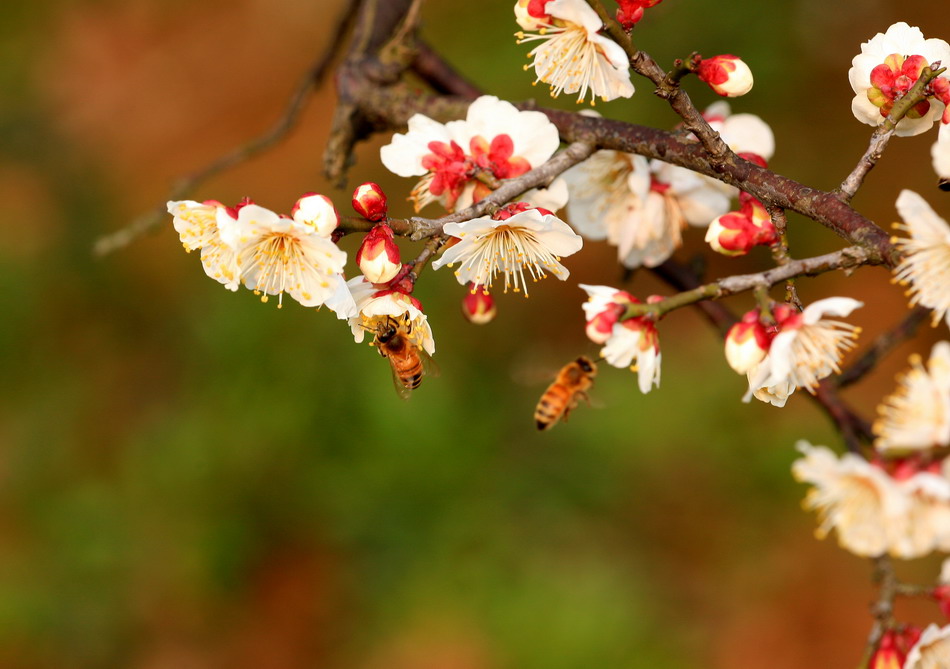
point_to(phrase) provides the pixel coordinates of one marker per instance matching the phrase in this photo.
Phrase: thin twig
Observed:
(667, 87)
(852, 256)
(883, 345)
(284, 124)
(883, 608)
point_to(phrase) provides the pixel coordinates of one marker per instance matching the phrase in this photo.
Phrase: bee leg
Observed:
(583, 396)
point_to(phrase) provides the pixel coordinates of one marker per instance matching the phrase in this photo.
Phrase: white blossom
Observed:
(926, 261)
(527, 243)
(573, 56)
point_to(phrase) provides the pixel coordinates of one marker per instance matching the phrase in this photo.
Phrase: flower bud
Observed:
(631, 11)
(747, 343)
(727, 75)
(735, 233)
(369, 201)
(316, 211)
(600, 327)
(728, 234)
(378, 257)
(530, 14)
(478, 306)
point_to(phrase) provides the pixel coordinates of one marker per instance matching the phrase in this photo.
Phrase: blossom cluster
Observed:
(894, 502)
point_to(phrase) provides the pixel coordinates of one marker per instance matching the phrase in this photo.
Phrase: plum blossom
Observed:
(495, 139)
(807, 348)
(375, 305)
(631, 342)
(888, 65)
(642, 206)
(278, 254)
(926, 261)
(197, 227)
(876, 507)
(940, 154)
(917, 415)
(573, 56)
(932, 651)
(530, 242)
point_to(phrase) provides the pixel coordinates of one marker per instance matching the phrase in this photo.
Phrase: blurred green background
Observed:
(190, 478)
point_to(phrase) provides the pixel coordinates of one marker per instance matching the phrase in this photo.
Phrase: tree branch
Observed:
(284, 124)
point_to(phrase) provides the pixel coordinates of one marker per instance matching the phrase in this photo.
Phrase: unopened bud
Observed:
(317, 211)
(747, 343)
(478, 306)
(727, 75)
(530, 14)
(378, 256)
(631, 11)
(736, 233)
(369, 201)
(728, 234)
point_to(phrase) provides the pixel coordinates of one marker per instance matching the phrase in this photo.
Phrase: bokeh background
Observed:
(190, 478)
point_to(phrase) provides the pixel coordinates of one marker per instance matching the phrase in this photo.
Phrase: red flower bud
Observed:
(369, 201)
(378, 256)
(727, 75)
(478, 306)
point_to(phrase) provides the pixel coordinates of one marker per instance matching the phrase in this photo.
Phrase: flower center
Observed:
(891, 80)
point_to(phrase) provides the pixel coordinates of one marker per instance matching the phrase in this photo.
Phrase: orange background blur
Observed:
(191, 479)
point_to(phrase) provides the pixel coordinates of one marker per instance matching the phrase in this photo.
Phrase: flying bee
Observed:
(562, 396)
(407, 359)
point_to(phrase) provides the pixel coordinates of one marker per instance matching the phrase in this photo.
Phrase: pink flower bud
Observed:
(369, 201)
(378, 256)
(747, 343)
(478, 306)
(317, 211)
(727, 75)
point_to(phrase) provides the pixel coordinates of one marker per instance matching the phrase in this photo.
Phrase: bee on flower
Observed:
(495, 140)
(925, 265)
(517, 242)
(573, 56)
(375, 305)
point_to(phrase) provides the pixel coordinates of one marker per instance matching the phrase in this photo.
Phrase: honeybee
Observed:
(562, 396)
(409, 361)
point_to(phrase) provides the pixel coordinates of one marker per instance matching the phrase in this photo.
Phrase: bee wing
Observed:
(429, 366)
(401, 390)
